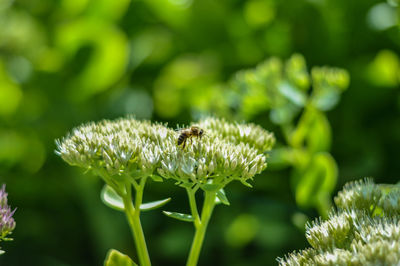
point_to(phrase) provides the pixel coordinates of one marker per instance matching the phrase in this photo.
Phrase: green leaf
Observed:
(325, 99)
(210, 187)
(221, 197)
(316, 181)
(280, 157)
(179, 216)
(154, 204)
(293, 94)
(284, 114)
(116, 258)
(157, 178)
(319, 134)
(111, 198)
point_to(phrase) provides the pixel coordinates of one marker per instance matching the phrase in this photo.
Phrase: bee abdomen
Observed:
(181, 139)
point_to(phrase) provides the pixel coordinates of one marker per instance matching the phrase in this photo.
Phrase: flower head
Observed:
(251, 134)
(358, 194)
(124, 147)
(132, 148)
(7, 222)
(227, 152)
(364, 231)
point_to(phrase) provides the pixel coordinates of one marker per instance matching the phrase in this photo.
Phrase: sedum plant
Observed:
(7, 222)
(125, 153)
(364, 230)
(296, 101)
(229, 152)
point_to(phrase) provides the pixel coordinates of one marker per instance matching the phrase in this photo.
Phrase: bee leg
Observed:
(184, 144)
(191, 141)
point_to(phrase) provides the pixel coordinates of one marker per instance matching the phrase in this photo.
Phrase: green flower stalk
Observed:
(229, 151)
(364, 230)
(7, 222)
(126, 152)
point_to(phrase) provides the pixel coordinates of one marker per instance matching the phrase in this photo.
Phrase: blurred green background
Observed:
(66, 62)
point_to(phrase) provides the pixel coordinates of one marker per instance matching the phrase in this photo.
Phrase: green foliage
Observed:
(180, 216)
(113, 200)
(296, 102)
(364, 230)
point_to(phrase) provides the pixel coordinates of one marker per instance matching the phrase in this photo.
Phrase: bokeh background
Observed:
(66, 62)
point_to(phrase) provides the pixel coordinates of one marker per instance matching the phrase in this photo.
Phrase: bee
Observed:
(188, 133)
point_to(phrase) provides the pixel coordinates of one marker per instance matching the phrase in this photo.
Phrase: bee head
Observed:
(201, 132)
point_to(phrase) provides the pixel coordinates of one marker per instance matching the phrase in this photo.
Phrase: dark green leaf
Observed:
(179, 216)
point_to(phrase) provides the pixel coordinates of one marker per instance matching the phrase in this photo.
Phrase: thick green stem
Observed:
(201, 227)
(133, 216)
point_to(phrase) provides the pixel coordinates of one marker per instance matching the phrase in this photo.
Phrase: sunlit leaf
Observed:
(111, 198)
(179, 216)
(154, 204)
(293, 94)
(108, 61)
(284, 114)
(116, 258)
(316, 181)
(319, 134)
(325, 99)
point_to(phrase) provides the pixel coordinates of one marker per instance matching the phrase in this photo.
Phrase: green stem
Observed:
(201, 226)
(133, 216)
(193, 205)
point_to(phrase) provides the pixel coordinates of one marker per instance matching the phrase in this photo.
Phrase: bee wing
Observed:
(178, 128)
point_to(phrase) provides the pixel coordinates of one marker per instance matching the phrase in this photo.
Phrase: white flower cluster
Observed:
(125, 147)
(358, 194)
(251, 134)
(132, 148)
(363, 233)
